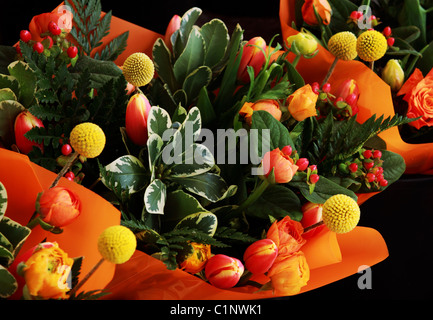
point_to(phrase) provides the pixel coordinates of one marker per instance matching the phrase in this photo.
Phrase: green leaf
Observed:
(186, 25)
(8, 284)
(14, 232)
(7, 81)
(191, 58)
(203, 221)
(3, 200)
(9, 110)
(8, 54)
(7, 94)
(126, 171)
(393, 166)
(206, 108)
(154, 146)
(216, 38)
(114, 48)
(179, 204)
(154, 197)
(27, 80)
(195, 160)
(163, 64)
(195, 82)
(158, 121)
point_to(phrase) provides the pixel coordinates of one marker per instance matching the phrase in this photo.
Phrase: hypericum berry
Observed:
(302, 164)
(377, 154)
(287, 150)
(66, 149)
(368, 165)
(314, 178)
(54, 29)
(326, 87)
(379, 177)
(367, 154)
(353, 167)
(313, 167)
(69, 175)
(315, 87)
(390, 41)
(38, 47)
(25, 35)
(370, 177)
(72, 52)
(383, 183)
(387, 31)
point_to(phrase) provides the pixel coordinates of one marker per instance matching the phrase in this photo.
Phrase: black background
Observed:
(403, 213)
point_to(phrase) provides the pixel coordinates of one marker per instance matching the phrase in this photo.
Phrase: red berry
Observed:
(373, 17)
(379, 177)
(377, 154)
(370, 177)
(326, 87)
(383, 183)
(359, 15)
(313, 167)
(353, 167)
(386, 32)
(66, 149)
(302, 164)
(390, 41)
(38, 47)
(54, 28)
(367, 154)
(69, 175)
(315, 87)
(339, 99)
(287, 150)
(354, 15)
(72, 52)
(314, 178)
(368, 165)
(25, 35)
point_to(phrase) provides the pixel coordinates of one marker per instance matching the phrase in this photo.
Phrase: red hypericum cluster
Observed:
(54, 29)
(387, 32)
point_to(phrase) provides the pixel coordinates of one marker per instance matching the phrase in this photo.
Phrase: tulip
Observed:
(393, 74)
(323, 9)
(305, 44)
(137, 112)
(312, 214)
(196, 260)
(24, 122)
(47, 273)
(223, 271)
(302, 103)
(260, 256)
(252, 55)
(346, 89)
(269, 105)
(172, 27)
(284, 168)
(59, 206)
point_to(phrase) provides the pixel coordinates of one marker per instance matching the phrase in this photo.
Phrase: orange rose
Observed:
(269, 105)
(47, 273)
(302, 103)
(287, 235)
(196, 261)
(418, 93)
(284, 168)
(289, 273)
(323, 9)
(39, 23)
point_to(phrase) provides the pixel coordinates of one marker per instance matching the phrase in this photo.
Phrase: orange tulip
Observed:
(223, 271)
(39, 24)
(269, 105)
(173, 25)
(23, 123)
(137, 112)
(284, 168)
(59, 206)
(47, 273)
(289, 273)
(302, 103)
(252, 56)
(418, 93)
(260, 256)
(323, 9)
(196, 261)
(287, 235)
(312, 213)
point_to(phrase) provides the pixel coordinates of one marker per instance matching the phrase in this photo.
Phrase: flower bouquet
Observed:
(401, 54)
(231, 173)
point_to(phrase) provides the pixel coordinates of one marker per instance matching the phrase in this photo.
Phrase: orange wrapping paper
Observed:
(375, 95)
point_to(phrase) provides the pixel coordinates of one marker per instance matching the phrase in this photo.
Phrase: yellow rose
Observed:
(302, 103)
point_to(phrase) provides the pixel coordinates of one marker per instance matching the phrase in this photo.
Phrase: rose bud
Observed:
(24, 122)
(172, 27)
(260, 256)
(223, 271)
(284, 168)
(349, 91)
(137, 112)
(269, 105)
(58, 206)
(312, 213)
(393, 74)
(302, 103)
(252, 55)
(305, 44)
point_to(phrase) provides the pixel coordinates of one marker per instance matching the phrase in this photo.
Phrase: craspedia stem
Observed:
(88, 275)
(330, 71)
(65, 168)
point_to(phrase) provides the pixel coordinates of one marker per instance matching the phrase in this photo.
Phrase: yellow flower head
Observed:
(343, 45)
(341, 213)
(117, 244)
(138, 69)
(87, 139)
(371, 45)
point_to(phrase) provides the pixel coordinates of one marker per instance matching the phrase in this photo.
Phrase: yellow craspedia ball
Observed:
(340, 213)
(138, 69)
(343, 45)
(87, 139)
(117, 244)
(371, 45)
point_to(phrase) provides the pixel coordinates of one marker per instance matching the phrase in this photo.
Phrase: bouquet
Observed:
(221, 159)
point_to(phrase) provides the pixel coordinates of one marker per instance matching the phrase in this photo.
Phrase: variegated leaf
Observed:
(15, 233)
(194, 161)
(8, 283)
(126, 171)
(3, 200)
(154, 146)
(155, 196)
(158, 121)
(203, 221)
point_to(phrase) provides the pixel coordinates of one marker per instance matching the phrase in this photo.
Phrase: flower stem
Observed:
(33, 222)
(317, 224)
(88, 275)
(296, 60)
(330, 71)
(254, 195)
(65, 168)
